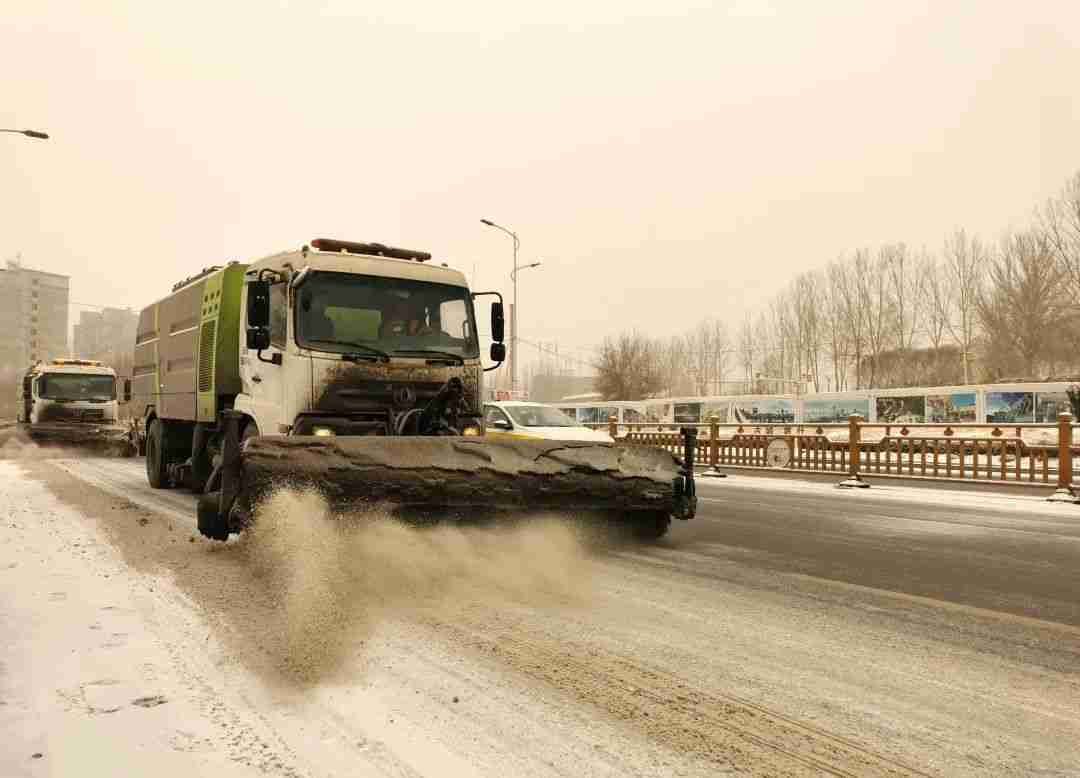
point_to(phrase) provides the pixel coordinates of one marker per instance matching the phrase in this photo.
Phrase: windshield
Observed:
(339, 311)
(72, 386)
(539, 416)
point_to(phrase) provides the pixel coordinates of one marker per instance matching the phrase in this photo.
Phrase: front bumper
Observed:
(79, 434)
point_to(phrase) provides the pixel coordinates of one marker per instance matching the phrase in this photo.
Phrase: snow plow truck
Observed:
(355, 369)
(73, 402)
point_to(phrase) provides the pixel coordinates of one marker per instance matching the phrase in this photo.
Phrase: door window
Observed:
(278, 315)
(493, 415)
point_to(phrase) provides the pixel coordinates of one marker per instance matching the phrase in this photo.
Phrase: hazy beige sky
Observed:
(665, 161)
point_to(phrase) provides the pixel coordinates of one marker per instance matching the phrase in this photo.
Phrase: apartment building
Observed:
(33, 316)
(105, 333)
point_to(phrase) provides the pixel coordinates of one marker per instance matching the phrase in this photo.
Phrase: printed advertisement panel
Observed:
(766, 411)
(719, 410)
(901, 410)
(1010, 407)
(834, 411)
(1049, 404)
(687, 413)
(951, 408)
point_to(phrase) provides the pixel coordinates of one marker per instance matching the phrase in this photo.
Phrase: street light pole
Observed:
(513, 315)
(28, 133)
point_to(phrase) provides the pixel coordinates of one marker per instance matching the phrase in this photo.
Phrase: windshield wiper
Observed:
(376, 354)
(442, 354)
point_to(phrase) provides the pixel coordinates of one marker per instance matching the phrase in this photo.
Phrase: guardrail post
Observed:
(854, 480)
(1064, 491)
(613, 427)
(714, 449)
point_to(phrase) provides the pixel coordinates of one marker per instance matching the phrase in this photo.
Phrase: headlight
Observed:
(471, 432)
(322, 432)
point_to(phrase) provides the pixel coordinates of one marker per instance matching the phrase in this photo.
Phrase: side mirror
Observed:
(258, 338)
(498, 326)
(27, 388)
(127, 390)
(501, 424)
(498, 352)
(258, 305)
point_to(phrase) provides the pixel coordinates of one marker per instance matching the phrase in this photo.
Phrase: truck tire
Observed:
(157, 462)
(211, 523)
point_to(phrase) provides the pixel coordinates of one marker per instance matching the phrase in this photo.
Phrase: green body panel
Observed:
(219, 340)
(187, 349)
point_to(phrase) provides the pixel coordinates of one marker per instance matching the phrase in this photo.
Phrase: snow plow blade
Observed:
(449, 472)
(113, 439)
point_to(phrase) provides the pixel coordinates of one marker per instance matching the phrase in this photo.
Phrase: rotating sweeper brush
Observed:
(647, 486)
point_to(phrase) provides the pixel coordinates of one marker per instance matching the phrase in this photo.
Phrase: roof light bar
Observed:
(371, 249)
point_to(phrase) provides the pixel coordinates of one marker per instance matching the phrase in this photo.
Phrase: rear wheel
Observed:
(156, 460)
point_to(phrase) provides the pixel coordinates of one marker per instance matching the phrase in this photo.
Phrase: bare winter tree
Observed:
(964, 260)
(809, 319)
(855, 316)
(1060, 224)
(872, 282)
(721, 349)
(628, 368)
(839, 335)
(705, 347)
(747, 349)
(1026, 300)
(937, 300)
(674, 368)
(906, 287)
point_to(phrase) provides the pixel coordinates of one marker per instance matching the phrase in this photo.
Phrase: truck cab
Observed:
(355, 343)
(66, 394)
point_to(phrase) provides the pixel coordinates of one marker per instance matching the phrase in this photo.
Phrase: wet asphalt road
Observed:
(1000, 551)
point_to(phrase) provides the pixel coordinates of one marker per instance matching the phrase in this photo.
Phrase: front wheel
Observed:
(210, 521)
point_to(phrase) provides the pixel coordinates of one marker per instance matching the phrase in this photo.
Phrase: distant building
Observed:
(33, 316)
(105, 333)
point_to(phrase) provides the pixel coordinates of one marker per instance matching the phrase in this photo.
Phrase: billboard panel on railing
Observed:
(764, 411)
(951, 408)
(687, 413)
(901, 410)
(719, 410)
(1010, 407)
(1049, 404)
(834, 411)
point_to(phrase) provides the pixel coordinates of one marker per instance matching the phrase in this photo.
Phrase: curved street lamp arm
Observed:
(28, 133)
(511, 233)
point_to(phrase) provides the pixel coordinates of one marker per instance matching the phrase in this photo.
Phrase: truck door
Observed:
(264, 377)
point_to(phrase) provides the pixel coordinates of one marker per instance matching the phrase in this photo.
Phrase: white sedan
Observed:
(538, 422)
